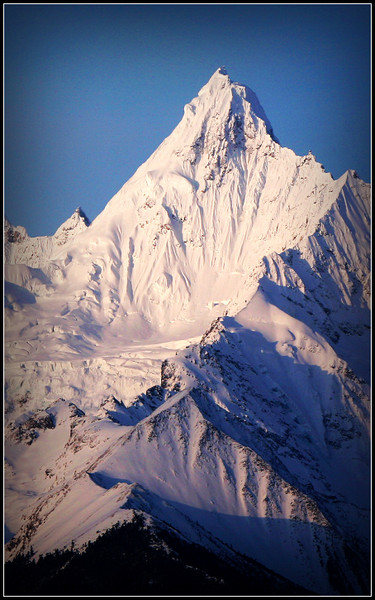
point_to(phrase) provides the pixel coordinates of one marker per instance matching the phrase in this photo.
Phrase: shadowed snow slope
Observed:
(200, 353)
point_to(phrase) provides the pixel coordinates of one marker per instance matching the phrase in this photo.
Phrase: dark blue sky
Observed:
(92, 90)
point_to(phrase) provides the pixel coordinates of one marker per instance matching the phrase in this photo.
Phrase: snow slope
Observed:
(193, 222)
(200, 353)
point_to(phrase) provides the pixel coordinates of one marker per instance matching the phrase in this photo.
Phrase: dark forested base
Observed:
(131, 560)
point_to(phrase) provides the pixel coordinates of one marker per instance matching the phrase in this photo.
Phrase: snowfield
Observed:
(199, 353)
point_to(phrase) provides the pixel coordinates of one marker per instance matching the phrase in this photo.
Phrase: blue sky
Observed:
(92, 90)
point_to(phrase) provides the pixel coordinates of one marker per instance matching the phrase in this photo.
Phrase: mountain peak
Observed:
(35, 251)
(219, 80)
(221, 72)
(77, 223)
(220, 89)
(82, 215)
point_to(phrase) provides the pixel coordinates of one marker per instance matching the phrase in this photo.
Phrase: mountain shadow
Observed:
(321, 309)
(18, 294)
(132, 560)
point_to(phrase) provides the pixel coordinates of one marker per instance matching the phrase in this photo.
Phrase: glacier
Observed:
(199, 354)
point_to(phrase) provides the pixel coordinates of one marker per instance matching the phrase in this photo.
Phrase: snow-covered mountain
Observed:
(28, 264)
(200, 352)
(35, 252)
